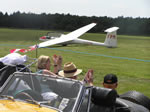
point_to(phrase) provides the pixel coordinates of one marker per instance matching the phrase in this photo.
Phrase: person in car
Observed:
(110, 81)
(71, 71)
(44, 64)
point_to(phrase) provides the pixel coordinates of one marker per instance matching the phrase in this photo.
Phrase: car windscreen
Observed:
(49, 91)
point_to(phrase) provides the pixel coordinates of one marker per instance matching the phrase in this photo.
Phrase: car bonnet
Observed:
(18, 106)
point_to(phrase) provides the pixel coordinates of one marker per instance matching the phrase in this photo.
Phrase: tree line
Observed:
(68, 22)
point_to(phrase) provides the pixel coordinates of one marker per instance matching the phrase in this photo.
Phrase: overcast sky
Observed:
(110, 8)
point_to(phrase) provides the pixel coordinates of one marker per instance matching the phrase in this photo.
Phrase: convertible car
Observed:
(32, 92)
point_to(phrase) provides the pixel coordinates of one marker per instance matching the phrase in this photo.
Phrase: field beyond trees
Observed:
(130, 61)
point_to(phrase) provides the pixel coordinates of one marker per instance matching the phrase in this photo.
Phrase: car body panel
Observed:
(19, 106)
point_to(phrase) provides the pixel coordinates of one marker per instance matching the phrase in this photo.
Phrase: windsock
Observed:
(31, 48)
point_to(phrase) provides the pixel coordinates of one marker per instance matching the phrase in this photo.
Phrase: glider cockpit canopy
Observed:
(51, 35)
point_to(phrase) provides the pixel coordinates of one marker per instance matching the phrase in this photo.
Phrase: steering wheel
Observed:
(28, 94)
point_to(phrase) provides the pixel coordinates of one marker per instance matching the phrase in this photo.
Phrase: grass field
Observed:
(130, 60)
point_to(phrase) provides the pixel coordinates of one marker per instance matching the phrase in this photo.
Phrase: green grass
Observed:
(133, 74)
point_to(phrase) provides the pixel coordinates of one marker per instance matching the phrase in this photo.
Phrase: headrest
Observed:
(64, 88)
(104, 96)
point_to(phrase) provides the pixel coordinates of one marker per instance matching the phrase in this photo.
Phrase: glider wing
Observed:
(65, 38)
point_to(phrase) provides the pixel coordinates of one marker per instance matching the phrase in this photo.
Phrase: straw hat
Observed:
(70, 70)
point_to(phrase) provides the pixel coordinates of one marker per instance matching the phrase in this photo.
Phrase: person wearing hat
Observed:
(71, 71)
(110, 81)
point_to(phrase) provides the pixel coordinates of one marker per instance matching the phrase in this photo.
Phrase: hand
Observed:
(59, 60)
(89, 77)
(54, 58)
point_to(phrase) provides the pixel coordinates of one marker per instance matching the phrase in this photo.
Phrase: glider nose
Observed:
(43, 37)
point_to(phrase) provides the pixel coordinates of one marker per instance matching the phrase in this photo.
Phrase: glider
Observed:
(72, 38)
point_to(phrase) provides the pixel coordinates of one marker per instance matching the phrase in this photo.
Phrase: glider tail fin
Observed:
(111, 37)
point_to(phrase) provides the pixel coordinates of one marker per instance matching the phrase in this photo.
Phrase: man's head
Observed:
(110, 81)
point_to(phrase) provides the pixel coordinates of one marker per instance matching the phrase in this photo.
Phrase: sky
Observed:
(110, 8)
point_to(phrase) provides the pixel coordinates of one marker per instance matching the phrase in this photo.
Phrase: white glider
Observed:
(72, 38)
(67, 38)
